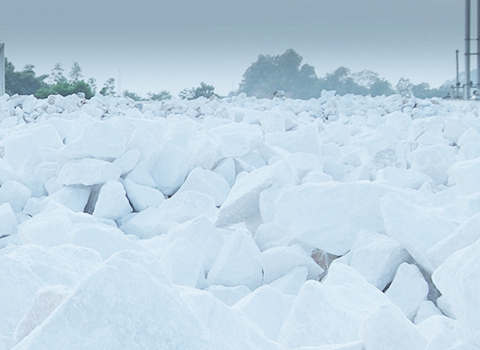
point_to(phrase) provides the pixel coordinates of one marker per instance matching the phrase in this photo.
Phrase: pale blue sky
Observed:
(172, 45)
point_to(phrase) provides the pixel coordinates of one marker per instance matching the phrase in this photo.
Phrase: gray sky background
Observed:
(159, 45)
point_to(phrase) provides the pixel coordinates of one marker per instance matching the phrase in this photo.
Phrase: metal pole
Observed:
(478, 44)
(467, 48)
(2, 68)
(458, 73)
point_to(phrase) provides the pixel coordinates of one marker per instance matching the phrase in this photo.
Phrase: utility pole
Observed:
(467, 48)
(478, 44)
(2, 65)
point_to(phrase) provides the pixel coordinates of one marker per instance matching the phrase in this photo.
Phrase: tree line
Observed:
(285, 72)
(266, 75)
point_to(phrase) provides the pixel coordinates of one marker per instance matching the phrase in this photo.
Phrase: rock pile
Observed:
(343, 223)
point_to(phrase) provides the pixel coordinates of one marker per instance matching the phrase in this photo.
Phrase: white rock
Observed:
(279, 261)
(229, 328)
(98, 140)
(87, 171)
(45, 301)
(127, 161)
(414, 227)
(426, 310)
(207, 182)
(465, 235)
(458, 279)
(14, 193)
(388, 328)
(305, 140)
(171, 168)
(188, 205)
(403, 178)
(183, 263)
(236, 140)
(269, 235)
(146, 224)
(309, 212)
(73, 197)
(25, 269)
(239, 263)
(202, 234)
(141, 175)
(22, 145)
(148, 314)
(112, 202)
(335, 309)
(141, 197)
(267, 308)
(465, 176)
(292, 282)
(377, 257)
(229, 295)
(104, 239)
(7, 173)
(226, 168)
(433, 160)
(408, 289)
(242, 203)
(8, 221)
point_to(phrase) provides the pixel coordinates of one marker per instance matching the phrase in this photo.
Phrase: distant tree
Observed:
(283, 72)
(93, 85)
(25, 82)
(381, 87)
(204, 90)
(162, 95)
(108, 88)
(65, 88)
(342, 82)
(132, 95)
(57, 74)
(187, 94)
(75, 73)
(404, 87)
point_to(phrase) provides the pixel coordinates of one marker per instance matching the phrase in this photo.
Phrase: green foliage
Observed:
(204, 90)
(108, 88)
(132, 95)
(285, 72)
(162, 95)
(75, 73)
(25, 82)
(65, 88)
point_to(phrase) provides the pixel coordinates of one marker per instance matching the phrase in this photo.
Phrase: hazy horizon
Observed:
(176, 45)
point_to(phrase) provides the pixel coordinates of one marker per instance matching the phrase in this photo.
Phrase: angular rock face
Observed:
(458, 280)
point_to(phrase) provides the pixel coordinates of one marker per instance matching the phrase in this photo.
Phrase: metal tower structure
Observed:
(468, 39)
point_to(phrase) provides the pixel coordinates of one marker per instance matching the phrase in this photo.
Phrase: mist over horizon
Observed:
(171, 46)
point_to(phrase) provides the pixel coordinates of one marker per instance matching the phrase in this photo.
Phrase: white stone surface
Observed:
(112, 202)
(98, 140)
(331, 312)
(408, 289)
(87, 172)
(377, 257)
(239, 262)
(308, 210)
(14, 193)
(416, 229)
(207, 182)
(458, 280)
(388, 328)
